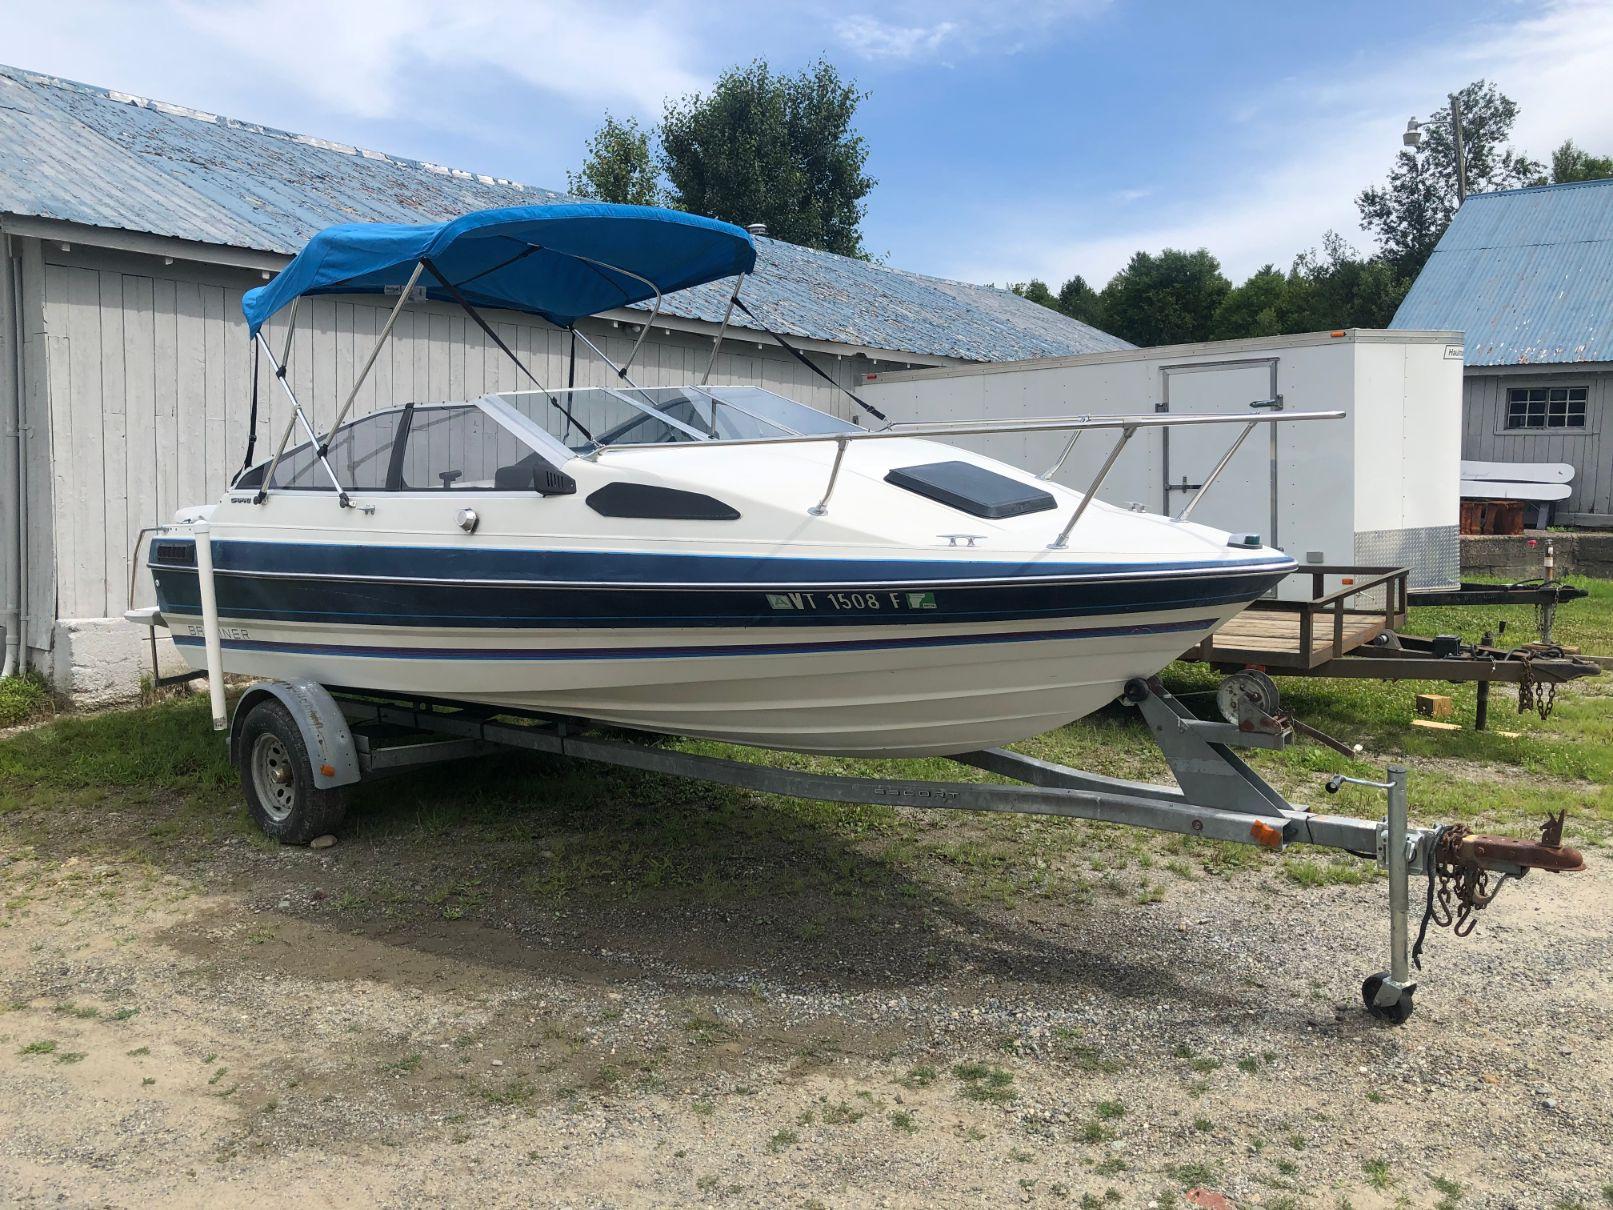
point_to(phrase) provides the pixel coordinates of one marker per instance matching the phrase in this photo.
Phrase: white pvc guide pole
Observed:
(210, 640)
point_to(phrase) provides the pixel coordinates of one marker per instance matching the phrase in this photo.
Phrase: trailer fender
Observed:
(319, 718)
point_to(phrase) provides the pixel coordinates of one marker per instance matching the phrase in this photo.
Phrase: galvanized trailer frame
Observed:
(350, 735)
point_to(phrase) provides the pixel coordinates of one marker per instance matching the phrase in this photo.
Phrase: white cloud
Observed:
(1298, 157)
(873, 38)
(367, 54)
(934, 29)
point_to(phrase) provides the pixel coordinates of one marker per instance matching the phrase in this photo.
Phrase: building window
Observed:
(1546, 408)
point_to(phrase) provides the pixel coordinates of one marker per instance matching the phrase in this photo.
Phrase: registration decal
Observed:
(849, 602)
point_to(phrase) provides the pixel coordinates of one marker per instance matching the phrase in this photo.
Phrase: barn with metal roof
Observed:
(130, 228)
(1527, 275)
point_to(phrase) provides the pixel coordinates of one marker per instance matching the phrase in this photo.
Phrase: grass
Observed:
(1193, 1174)
(918, 1077)
(992, 1085)
(1377, 1173)
(23, 699)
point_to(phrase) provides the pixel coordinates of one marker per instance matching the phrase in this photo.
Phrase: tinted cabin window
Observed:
(359, 454)
(456, 449)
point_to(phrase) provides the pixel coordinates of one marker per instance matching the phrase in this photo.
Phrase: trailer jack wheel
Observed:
(1397, 1009)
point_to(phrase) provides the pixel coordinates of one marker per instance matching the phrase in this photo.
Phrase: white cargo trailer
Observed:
(1380, 487)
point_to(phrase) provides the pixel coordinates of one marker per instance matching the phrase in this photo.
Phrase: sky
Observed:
(1009, 140)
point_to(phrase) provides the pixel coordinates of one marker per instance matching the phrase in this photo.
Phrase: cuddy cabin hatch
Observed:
(972, 489)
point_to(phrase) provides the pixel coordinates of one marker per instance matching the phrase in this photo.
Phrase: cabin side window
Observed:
(452, 447)
(456, 449)
(1546, 407)
(360, 454)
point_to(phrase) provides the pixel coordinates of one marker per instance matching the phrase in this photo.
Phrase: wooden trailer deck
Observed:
(1267, 637)
(1301, 636)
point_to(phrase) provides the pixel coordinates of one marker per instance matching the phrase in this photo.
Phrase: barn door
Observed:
(1244, 498)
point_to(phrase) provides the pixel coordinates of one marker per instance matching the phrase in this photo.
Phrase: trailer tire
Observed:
(278, 777)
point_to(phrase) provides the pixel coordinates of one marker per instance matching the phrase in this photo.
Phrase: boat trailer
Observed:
(299, 746)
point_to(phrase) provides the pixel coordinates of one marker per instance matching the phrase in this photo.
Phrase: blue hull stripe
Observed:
(308, 599)
(694, 652)
(628, 568)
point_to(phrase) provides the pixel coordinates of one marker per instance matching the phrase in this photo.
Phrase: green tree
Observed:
(1253, 309)
(619, 167)
(1166, 299)
(1410, 211)
(1036, 291)
(1337, 289)
(1569, 163)
(1081, 302)
(1075, 298)
(775, 149)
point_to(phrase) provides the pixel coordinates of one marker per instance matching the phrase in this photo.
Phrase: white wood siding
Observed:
(147, 370)
(1485, 437)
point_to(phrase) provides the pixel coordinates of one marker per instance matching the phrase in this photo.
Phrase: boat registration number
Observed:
(850, 602)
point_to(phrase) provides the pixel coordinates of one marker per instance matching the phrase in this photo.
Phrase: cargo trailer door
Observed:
(1244, 498)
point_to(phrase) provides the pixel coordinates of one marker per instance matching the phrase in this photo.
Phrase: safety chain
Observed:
(1531, 693)
(1456, 889)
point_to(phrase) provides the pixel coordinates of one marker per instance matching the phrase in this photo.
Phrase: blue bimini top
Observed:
(561, 261)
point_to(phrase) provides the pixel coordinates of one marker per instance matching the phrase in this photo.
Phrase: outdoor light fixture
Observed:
(1413, 137)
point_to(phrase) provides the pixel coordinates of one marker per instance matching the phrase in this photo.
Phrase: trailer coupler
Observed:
(1462, 864)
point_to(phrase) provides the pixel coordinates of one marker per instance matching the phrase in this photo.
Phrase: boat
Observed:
(707, 560)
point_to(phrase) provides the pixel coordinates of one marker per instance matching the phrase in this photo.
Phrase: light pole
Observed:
(1414, 137)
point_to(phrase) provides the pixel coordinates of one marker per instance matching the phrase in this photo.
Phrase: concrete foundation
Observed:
(100, 661)
(1521, 557)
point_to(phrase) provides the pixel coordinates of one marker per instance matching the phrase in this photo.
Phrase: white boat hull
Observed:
(931, 691)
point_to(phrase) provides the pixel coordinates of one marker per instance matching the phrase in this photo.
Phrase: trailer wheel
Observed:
(278, 777)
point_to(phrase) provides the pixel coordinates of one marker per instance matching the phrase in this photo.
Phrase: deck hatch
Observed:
(972, 489)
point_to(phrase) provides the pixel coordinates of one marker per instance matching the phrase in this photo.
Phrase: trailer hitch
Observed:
(1507, 854)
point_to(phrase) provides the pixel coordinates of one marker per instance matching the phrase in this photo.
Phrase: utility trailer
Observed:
(1381, 487)
(300, 746)
(1355, 633)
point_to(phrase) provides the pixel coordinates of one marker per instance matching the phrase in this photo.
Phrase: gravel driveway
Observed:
(419, 1020)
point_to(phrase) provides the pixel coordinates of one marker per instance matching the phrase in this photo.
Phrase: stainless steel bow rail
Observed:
(1126, 426)
(296, 773)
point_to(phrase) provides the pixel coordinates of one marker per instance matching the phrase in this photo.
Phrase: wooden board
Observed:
(1501, 489)
(1519, 472)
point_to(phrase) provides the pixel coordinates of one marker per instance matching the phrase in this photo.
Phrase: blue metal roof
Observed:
(1527, 274)
(106, 159)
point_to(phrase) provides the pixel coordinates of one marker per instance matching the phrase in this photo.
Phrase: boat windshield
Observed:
(588, 418)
